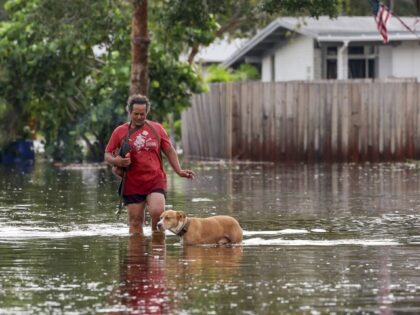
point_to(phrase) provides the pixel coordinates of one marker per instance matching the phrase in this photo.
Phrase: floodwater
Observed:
(318, 239)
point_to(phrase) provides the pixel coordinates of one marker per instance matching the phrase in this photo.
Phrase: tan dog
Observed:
(220, 229)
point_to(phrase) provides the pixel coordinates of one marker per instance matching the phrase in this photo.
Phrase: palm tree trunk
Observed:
(417, 3)
(139, 49)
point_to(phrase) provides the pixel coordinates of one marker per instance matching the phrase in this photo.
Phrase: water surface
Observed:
(318, 239)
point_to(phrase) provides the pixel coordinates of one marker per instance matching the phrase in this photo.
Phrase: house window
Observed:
(332, 69)
(361, 62)
(331, 63)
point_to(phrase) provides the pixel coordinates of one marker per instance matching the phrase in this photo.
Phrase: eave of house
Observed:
(323, 30)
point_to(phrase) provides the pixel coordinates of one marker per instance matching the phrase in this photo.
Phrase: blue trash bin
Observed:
(25, 150)
(18, 151)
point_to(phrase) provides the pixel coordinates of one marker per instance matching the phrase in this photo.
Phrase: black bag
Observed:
(124, 149)
(125, 146)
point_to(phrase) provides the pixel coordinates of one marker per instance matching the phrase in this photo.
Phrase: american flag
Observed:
(382, 14)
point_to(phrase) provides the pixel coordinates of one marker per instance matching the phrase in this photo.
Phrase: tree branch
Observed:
(89, 144)
(193, 53)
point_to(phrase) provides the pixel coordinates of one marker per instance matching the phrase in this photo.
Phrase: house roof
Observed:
(323, 29)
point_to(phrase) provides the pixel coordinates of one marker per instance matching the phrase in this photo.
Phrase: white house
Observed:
(341, 48)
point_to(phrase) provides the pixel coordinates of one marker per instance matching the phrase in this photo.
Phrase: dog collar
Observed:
(184, 228)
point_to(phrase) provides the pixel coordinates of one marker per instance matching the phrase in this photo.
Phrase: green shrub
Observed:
(218, 73)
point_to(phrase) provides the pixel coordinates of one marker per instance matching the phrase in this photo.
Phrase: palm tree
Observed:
(139, 81)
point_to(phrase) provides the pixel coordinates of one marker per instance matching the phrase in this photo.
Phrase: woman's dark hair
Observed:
(137, 99)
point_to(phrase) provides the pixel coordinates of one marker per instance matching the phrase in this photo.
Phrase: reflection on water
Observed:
(143, 287)
(318, 239)
(206, 262)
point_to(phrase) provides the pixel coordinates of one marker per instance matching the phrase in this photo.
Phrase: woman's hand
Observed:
(123, 161)
(187, 174)
(173, 160)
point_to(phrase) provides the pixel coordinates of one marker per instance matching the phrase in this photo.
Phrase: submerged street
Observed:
(319, 238)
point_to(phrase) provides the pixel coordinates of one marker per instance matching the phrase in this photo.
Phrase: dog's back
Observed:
(221, 229)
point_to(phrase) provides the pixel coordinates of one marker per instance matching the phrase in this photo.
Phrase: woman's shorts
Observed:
(141, 198)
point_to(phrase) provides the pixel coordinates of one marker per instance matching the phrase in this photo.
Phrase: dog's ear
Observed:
(180, 215)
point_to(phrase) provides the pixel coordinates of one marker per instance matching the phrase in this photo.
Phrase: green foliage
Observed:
(334, 7)
(217, 73)
(176, 129)
(171, 82)
(303, 7)
(6, 115)
(51, 71)
(3, 15)
(184, 22)
(246, 72)
(47, 58)
(363, 8)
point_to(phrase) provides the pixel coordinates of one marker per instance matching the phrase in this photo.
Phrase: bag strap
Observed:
(130, 131)
(156, 134)
(122, 183)
(133, 130)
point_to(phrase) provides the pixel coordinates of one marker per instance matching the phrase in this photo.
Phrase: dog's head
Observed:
(170, 220)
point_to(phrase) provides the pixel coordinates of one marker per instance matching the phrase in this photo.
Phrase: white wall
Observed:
(295, 61)
(406, 60)
(298, 60)
(385, 61)
(266, 69)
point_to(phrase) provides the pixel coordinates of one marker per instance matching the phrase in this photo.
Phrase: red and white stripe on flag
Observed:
(381, 19)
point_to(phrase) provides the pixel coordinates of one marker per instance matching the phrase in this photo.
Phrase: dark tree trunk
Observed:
(417, 3)
(139, 49)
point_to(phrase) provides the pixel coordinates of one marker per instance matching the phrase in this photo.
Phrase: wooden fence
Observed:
(305, 121)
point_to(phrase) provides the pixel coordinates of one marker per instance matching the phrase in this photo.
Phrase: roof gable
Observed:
(323, 29)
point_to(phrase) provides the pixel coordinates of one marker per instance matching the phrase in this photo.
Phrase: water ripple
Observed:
(26, 232)
(105, 230)
(283, 242)
(284, 231)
